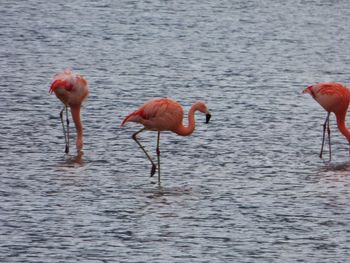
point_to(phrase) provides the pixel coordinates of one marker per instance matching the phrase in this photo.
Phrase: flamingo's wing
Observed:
(155, 108)
(157, 114)
(149, 110)
(332, 96)
(332, 89)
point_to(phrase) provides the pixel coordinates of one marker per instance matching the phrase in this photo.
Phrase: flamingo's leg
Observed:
(67, 120)
(329, 140)
(324, 132)
(134, 136)
(158, 157)
(64, 130)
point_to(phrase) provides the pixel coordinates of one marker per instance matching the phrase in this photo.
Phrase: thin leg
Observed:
(158, 157)
(324, 132)
(329, 140)
(67, 120)
(64, 130)
(153, 170)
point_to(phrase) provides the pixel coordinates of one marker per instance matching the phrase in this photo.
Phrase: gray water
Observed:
(247, 187)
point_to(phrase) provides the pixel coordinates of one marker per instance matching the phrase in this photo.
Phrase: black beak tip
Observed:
(207, 117)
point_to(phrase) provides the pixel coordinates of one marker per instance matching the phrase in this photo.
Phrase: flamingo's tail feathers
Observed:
(308, 90)
(54, 85)
(60, 83)
(134, 116)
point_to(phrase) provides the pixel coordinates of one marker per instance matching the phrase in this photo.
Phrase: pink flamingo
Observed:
(71, 89)
(164, 115)
(333, 97)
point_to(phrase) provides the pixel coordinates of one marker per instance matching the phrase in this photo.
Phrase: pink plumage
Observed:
(164, 114)
(71, 89)
(158, 115)
(333, 97)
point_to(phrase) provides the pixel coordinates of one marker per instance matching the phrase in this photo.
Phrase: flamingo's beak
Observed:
(207, 118)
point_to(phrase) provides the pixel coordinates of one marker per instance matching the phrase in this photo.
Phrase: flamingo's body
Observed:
(71, 89)
(333, 97)
(164, 114)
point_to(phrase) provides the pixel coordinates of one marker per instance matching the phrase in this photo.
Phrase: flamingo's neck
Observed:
(78, 125)
(341, 125)
(185, 131)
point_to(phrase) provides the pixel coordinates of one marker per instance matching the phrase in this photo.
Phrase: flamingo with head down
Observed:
(333, 97)
(71, 89)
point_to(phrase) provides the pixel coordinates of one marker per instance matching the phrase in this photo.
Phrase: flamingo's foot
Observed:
(67, 149)
(153, 170)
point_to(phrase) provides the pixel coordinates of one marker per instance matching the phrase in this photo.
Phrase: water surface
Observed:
(247, 187)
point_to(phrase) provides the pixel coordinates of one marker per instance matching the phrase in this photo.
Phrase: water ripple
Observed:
(247, 187)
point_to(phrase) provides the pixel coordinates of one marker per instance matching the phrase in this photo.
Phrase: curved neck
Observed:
(78, 126)
(341, 126)
(185, 131)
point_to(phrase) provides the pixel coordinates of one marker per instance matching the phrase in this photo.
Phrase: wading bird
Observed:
(164, 114)
(333, 97)
(71, 89)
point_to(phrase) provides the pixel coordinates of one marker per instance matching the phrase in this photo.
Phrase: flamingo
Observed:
(71, 89)
(333, 97)
(164, 114)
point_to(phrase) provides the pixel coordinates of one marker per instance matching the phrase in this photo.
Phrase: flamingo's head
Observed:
(204, 109)
(60, 83)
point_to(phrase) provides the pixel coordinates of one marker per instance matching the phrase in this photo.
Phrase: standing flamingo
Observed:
(333, 97)
(164, 115)
(71, 89)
